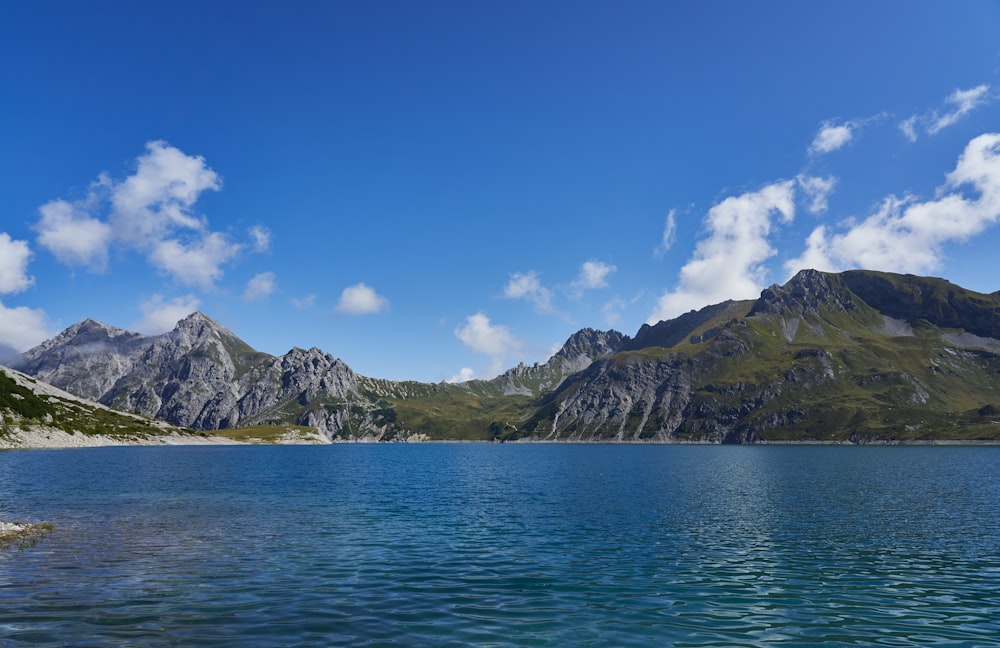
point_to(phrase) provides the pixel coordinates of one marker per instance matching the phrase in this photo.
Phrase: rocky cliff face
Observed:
(199, 375)
(86, 359)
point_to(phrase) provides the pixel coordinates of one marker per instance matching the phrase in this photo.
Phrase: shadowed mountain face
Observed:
(855, 356)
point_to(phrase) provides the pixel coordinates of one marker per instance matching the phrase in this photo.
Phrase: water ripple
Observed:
(524, 546)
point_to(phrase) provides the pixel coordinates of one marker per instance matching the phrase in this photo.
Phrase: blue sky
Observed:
(441, 190)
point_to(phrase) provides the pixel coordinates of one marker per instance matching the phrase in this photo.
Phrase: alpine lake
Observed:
(503, 545)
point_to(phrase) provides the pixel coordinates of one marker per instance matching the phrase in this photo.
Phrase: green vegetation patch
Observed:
(266, 433)
(21, 401)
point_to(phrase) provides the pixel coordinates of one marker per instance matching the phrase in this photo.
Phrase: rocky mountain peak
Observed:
(804, 294)
(587, 345)
(199, 325)
(90, 330)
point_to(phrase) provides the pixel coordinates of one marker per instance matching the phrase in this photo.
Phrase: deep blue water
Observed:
(526, 545)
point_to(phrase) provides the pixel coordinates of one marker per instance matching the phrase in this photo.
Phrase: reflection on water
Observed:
(504, 545)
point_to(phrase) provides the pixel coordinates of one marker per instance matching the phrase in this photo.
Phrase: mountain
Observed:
(857, 356)
(199, 375)
(33, 413)
(202, 376)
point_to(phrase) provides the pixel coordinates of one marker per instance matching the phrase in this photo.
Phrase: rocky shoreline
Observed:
(42, 437)
(50, 438)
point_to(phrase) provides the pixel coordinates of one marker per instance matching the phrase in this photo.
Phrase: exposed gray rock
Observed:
(198, 375)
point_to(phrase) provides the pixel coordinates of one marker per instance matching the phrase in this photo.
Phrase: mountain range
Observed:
(858, 356)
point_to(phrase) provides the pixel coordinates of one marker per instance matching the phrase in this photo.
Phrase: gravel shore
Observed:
(46, 437)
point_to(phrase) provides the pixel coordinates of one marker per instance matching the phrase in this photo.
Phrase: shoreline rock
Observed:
(41, 437)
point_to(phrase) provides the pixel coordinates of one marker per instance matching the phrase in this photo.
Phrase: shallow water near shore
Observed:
(509, 545)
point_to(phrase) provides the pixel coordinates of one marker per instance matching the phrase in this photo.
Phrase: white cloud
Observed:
(159, 316)
(831, 137)
(817, 190)
(303, 302)
(728, 264)
(669, 234)
(73, 236)
(909, 128)
(150, 212)
(496, 341)
(194, 264)
(22, 328)
(361, 299)
(158, 197)
(14, 257)
(465, 374)
(528, 286)
(261, 238)
(260, 286)
(593, 274)
(962, 103)
(907, 235)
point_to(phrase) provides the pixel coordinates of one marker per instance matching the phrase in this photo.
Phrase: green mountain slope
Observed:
(29, 407)
(858, 356)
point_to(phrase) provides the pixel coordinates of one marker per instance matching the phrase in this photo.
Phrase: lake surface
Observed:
(503, 545)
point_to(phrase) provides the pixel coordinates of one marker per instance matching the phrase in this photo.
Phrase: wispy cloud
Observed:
(361, 299)
(908, 235)
(818, 190)
(494, 340)
(160, 315)
(728, 263)
(198, 263)
(612, 311)
(592, 275)
(669, 234)
(960, 103)
(260, 286)
(831, 137)
(261, 237)
(529, 287)
(302, 303)
(150, 212)
(835, 134)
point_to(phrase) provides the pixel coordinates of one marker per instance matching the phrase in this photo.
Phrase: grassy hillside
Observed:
(27, 404)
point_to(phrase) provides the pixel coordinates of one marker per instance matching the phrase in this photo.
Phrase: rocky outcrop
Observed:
(808, 293)
(576, 354)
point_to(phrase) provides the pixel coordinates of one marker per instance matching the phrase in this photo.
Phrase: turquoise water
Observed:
(510, 545)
